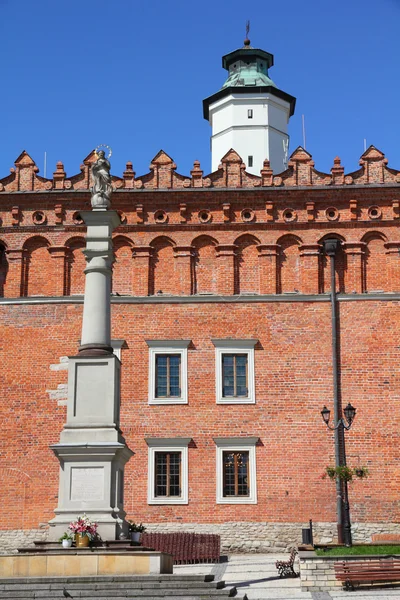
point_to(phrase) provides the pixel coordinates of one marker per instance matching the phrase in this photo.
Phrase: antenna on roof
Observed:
(45, 165)
(304, 132)
(365, 144)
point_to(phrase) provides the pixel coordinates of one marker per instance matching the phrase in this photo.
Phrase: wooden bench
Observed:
(285, 567)
(355, 572)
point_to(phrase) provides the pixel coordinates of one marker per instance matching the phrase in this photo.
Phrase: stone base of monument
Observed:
(92, 451)
(51, 560)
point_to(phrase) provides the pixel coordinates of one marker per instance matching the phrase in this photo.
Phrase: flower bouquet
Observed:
(84, 529)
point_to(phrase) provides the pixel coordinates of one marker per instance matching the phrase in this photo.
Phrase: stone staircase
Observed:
(150, 587)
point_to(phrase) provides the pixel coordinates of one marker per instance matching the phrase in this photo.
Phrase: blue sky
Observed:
(133, 74)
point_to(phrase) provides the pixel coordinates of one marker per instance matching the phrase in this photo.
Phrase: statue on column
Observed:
(102, 188)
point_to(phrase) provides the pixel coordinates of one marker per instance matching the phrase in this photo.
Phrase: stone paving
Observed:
(256, 576)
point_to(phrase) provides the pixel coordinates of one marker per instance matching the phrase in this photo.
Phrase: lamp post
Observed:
(340, 426)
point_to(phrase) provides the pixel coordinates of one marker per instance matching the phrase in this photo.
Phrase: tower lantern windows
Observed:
(249, 113)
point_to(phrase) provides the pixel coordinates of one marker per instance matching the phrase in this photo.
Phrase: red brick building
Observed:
(221, 315)
(220, 286)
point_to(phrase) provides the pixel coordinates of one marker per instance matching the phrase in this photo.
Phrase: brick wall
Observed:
(250, 240)
(293, 381)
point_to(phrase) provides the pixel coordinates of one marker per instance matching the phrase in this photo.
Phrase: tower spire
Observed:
(247, 40)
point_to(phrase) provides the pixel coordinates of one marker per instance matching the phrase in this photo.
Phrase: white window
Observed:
(168, 371)
(234, 371)
(249, 113)
(236, 470)
(168, 470)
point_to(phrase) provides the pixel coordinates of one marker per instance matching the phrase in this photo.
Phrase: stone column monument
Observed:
(92, 451)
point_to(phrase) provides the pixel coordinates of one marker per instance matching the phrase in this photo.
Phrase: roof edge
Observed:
(228, 59)
(267, 89)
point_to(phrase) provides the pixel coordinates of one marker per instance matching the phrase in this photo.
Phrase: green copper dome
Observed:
(248, 67)
(248, 74)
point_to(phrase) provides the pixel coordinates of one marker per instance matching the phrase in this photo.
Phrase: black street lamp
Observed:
(349, 413)
(339, 427)
(331, 248)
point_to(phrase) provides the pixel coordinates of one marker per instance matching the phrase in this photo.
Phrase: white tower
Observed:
(249, 113)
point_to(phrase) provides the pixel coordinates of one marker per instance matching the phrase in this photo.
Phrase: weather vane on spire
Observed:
(247, 41)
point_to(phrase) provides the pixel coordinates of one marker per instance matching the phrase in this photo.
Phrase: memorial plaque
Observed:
(87, 484)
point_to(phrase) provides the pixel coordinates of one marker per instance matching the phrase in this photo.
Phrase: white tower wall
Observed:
(261, 136)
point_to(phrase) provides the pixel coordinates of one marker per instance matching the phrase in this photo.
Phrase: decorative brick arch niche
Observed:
(205, 276)
(123, 266)
(75, 266)
(288, 267)
(374, 265)
(38, 275)
(163, 273)
(247, 277)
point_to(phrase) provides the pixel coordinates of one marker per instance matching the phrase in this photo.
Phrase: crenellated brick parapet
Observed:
(301, 172)
(226, 233)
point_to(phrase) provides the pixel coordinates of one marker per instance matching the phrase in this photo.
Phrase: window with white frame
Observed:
(168, 371)
(234, 371)
(167, 470)
(236, 470)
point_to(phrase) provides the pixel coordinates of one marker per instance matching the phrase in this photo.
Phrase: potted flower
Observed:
(345, 473)
(342, 472)
(361, 472)
(135, 530)
(66, 540)
(84, 529)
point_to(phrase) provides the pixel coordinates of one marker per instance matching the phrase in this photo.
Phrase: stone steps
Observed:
(182, 587)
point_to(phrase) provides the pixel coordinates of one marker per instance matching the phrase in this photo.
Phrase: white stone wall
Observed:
(317, 574)
(273, 537)
(235, 536)
(12, 539)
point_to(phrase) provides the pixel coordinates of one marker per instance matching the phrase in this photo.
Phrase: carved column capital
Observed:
(310, 249)
(268, 249)
(226, 249)
(354, 247)
(142, 251)
(15, 254)
(183, 251)
(58, 251)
